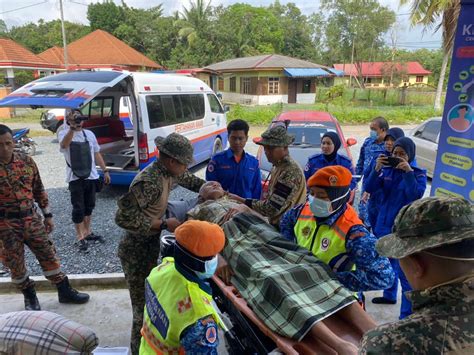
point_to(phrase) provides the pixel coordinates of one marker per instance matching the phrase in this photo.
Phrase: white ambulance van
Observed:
(160, 104)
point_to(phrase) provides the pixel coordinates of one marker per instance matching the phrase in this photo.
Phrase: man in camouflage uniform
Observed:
(142, 213)
(287, 185)
(20, 225)
(434, 240)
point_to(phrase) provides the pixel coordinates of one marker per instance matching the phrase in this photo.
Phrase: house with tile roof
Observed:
(270, 78)
(378, 74)
(99, 50)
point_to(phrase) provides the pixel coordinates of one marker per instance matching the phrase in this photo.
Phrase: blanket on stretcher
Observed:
(287, 287)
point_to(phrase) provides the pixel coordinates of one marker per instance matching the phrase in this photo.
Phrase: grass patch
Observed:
(29, 116)
(262, 115)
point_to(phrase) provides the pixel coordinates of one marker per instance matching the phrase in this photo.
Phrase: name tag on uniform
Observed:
(155, 311)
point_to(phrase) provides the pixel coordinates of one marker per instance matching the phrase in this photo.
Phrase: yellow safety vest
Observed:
(172, 303)
(326, 242)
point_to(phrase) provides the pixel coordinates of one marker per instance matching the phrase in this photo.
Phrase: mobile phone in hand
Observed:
(393, 161)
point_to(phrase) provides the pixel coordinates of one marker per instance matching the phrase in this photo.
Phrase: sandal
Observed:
(96, 237)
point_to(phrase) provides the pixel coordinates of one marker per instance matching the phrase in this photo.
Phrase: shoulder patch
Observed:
(279, 195)
(211, 333)
(210, 166)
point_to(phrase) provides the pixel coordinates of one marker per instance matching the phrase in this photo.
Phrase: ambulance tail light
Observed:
(143, 154)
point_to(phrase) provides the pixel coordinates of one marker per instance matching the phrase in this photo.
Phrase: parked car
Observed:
(426, 138)
(308, 128)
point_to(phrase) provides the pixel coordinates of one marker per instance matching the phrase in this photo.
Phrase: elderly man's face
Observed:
(211, 190)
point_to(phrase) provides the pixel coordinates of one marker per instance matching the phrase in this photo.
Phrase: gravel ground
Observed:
(101, 258)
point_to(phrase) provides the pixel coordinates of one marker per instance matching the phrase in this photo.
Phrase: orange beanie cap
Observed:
(202, 239)
(331, 176)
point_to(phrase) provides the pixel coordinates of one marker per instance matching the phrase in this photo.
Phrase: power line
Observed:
(24, 7)
(79, 3)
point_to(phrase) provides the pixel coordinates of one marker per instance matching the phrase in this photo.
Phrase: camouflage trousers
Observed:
(138, 256)
(29, 231)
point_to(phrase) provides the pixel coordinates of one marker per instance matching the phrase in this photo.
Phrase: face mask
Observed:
(373, 134)
(210, 267)
(322, 208)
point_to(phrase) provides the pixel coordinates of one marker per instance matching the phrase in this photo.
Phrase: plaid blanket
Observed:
(43, 332)
(286, 287)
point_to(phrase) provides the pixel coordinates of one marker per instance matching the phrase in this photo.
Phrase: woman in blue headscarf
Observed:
(330, 144)
(399, 183)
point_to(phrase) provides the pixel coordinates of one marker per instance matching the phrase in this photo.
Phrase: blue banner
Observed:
(454, 173)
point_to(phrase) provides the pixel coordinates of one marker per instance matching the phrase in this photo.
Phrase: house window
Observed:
(273, 85)
(245, 89)
(419, 78)
(221, 84)
(306, 86)
(233, 86)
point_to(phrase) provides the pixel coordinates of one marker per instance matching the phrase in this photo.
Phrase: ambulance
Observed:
(159, 104)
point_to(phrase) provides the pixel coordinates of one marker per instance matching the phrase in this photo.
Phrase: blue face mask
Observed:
(322, 208)
(373, 134)
(210, 266)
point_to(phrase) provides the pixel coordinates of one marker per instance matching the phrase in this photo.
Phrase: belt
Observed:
(16, 214)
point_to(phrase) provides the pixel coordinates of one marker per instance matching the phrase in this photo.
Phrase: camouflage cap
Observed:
(177, 147)
(428, 223)
(276, 136)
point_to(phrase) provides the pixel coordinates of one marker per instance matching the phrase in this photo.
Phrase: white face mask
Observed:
(322, 208)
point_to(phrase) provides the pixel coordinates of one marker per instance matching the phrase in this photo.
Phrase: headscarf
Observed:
(395, 133)
(408, 146)
(334, 137)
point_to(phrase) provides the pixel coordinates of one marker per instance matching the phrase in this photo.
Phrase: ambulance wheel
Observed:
(217, 146)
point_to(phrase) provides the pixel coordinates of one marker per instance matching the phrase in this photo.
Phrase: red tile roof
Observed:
(374, 69)
(100, 47)
(13, 54)
(55, 55)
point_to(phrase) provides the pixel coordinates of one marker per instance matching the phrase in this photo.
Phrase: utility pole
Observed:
(352, 63)
(64, 35)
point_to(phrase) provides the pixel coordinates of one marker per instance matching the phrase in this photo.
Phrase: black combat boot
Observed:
(31, 301)
(69, 295)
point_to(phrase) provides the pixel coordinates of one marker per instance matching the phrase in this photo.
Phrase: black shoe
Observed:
(83, 245)
(383, 300)
(31, 301)
(67, 294)
(95, 237)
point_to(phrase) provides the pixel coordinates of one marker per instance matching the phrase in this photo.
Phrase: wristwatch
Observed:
(48, 215)
(163, 225)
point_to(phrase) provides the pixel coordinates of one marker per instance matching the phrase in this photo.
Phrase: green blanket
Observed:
(287, 287)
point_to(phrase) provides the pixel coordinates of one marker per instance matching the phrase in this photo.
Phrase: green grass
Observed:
(30, 116)
(262, 115)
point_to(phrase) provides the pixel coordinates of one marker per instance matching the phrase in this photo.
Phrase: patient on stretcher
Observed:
(287, 288)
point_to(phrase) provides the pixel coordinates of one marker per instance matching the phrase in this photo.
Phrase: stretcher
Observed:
(247, 334)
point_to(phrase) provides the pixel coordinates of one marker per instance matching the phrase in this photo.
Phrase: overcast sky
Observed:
(19, 12)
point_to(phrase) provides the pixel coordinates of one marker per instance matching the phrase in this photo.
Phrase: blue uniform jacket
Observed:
(243, 179)
(398, 189)
(373, 272)
(317, 161)
(370, 149)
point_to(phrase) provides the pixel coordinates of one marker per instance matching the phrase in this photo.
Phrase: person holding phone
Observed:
(374, 202)
(82, 153)
(399, 183)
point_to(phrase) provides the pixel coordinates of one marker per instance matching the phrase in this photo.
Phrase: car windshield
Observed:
(310, 133)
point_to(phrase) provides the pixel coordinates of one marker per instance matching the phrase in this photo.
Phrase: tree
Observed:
(44, 35)
(297, 31)
(3, 28)
(106, 16)
(428, 12)
(354, 29)
(195, 20)
(245, 30)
